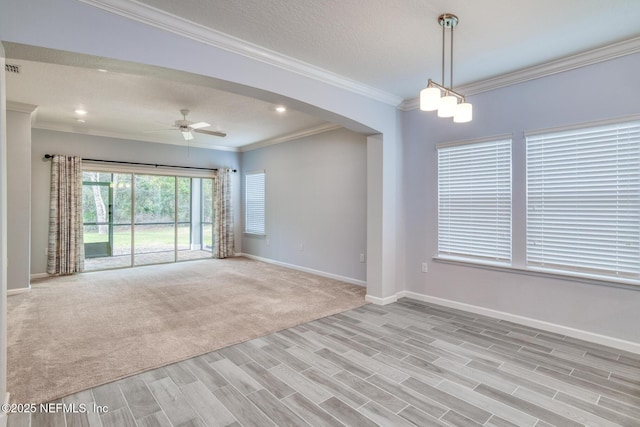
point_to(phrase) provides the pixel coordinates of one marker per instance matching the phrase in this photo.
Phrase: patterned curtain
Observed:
(66, 249)
(223, 244)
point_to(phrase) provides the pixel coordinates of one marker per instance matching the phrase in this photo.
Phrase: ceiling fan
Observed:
(186, 127)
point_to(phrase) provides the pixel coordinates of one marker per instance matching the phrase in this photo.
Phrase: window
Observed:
(133, 219)
(254, 203)
(583, 201)
(474, 200)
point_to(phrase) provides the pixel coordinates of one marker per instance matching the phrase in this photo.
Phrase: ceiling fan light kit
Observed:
(448, 102)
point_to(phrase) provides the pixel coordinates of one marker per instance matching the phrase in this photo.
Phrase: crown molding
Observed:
(74, 129)
(20, 107)
(265, 143)
(291, 136)
(163, 20)
(594, 56)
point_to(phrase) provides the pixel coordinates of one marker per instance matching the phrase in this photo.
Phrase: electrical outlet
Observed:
(425, 267)
(361, 257)
(301, 247)
(267, 242)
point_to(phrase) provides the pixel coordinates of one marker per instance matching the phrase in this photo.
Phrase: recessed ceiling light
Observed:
(281, 109)
(102, 70)
(80, 121)
(81, 112)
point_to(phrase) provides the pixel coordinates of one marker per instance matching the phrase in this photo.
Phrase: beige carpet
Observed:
(72, 333)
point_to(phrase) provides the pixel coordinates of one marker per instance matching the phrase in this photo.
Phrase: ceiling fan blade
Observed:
(209, 132)
(199, 125)
(187, 135)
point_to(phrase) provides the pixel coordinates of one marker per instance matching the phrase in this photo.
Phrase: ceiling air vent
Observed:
(12, 68)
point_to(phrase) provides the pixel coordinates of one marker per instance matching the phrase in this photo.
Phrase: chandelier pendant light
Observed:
(448, 102)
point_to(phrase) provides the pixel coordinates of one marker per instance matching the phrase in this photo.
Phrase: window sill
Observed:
(540, 272)
(254, 235)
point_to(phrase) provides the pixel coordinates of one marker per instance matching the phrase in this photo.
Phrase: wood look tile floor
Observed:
(404, 364)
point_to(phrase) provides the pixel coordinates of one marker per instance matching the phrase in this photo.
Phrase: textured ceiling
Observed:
(395, 45)
(390, 46)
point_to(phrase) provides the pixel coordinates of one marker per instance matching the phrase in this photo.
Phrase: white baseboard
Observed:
(620, 344)
(381, 301)
(306, 270)
(39, 275)
(18, 291)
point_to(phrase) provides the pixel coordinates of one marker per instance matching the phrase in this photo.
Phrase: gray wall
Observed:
(94, 147)
(18, 198)
(316, 189)
(567, 98)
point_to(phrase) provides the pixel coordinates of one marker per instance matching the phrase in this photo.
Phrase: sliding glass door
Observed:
(195, 219)
(106, 204)
(154, 235)
(206, 226)
(136, 219)
(122, 190)
(98, 220)
(185, 220)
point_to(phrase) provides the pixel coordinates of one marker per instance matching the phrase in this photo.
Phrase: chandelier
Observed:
(440, 97)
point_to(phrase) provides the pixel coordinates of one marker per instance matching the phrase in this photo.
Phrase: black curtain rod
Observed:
(49, 156)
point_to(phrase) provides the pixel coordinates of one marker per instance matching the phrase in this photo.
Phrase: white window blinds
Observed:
(254, 203)
(474, 201)
(583, 201)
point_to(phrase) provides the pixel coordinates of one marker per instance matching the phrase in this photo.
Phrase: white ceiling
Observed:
(390, 47)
